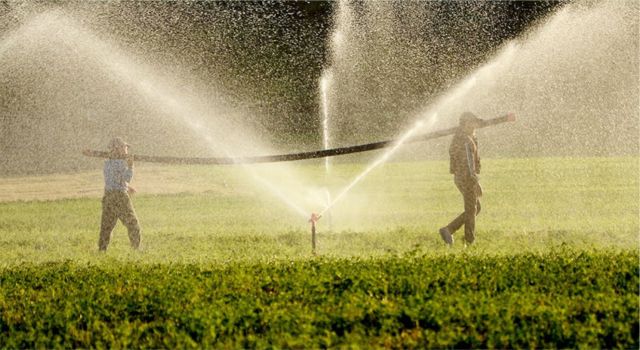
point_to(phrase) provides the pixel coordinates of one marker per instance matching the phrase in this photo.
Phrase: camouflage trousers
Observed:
(471, 197)
(117, 205)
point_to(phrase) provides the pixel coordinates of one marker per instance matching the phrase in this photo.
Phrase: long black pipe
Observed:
(302, 155)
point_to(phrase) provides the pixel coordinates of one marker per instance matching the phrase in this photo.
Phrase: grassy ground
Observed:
(529, 205)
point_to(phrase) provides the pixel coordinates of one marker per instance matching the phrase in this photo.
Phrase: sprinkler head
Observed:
(314, 218)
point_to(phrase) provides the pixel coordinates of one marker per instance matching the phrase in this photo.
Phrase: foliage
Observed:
(560, 299)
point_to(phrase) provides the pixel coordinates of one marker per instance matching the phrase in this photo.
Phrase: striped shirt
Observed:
(117, 175)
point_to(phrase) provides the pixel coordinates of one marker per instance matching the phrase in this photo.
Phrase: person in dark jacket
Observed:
(116, 203)
(464, 164)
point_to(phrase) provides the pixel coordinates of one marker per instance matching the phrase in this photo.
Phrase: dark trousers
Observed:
(471, 198)
(117, 205)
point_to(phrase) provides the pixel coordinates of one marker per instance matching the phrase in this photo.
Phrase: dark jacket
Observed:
(463, 155)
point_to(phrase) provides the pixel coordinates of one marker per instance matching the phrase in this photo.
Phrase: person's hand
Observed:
(87, 152)
(130, 161)
(476, 185)
(131, 190)
(478, 189)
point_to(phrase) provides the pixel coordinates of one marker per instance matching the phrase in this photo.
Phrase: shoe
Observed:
(446, 236)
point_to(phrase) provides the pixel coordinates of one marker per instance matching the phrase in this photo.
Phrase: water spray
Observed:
(327, 214)
(140, 77)
(407, 138)
(325, 82)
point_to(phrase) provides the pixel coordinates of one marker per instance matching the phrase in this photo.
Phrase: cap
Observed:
(468, 117)
(117, 142)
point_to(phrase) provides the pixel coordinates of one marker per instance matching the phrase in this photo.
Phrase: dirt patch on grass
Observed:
(148, 179)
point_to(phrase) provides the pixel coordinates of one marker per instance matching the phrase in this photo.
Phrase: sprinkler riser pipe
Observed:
(314, 218)
(313, 238)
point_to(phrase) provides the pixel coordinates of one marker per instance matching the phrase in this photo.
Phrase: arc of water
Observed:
(325, 82)
(455, 94)
(36, 24)
(117, 64)
(377, 162)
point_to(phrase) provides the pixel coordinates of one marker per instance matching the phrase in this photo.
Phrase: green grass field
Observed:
(225, 264)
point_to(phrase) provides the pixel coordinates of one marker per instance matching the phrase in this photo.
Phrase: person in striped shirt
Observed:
(116, 202)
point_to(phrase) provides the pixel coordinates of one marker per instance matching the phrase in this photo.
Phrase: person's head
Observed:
(469, 122)
(118, 147)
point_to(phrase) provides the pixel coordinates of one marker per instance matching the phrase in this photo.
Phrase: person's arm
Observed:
(471, 162)
(127, 175)
(476, 155)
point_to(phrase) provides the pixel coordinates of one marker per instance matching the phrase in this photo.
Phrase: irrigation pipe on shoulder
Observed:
(301, 155)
